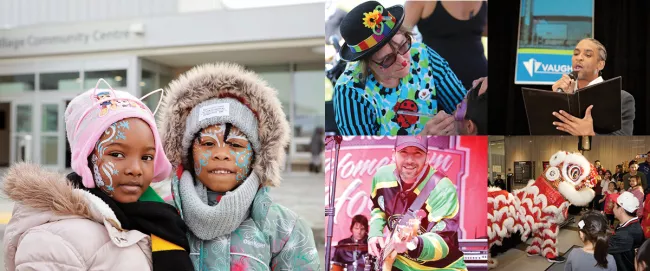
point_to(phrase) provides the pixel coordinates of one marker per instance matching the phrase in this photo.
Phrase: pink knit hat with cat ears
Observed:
(89, 115)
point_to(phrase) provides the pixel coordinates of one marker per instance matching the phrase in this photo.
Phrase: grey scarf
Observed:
(209, 222)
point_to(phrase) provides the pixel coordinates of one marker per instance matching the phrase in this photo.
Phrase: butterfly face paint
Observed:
(222, 157)
(108, 168)
(122, 161)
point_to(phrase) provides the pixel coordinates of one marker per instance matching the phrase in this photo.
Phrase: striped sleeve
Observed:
(354, 115)
(441, 238)
(450, 89)
(377, 215)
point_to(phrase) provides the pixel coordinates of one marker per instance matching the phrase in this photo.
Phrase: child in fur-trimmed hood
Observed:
(225, 133)
(104, 215)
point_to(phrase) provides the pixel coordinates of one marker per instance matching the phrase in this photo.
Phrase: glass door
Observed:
(49, 134)
(23, 132)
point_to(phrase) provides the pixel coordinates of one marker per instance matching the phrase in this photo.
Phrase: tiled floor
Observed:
(517, 259)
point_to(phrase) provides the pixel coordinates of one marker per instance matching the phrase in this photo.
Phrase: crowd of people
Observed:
(615, 226)
(616, 229)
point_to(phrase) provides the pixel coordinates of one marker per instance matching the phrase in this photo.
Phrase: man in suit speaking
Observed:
(588, 60)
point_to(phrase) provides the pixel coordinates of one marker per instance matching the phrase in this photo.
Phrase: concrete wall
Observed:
(21, 13)
(201, 28)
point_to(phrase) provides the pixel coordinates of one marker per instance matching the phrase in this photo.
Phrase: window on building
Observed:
(117, 79)
(17, 83)
(68, 81)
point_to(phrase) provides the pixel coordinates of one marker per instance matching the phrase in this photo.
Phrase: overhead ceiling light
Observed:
(118, 78)
(142, 84)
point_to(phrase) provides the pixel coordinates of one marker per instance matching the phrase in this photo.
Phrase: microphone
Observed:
(573, 75)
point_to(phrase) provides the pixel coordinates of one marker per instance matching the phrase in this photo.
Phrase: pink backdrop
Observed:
(463, 159)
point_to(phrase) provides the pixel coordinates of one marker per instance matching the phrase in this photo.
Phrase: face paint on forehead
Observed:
(114, 132)
(214, 132)
(237, 134)
(124, 125)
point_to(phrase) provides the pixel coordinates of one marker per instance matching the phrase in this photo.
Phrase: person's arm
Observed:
(377, 215)
(353, 113)
(442, 237)
(449, 88)
(43, 250)
(298, 249)
(619, 243)
(413, 13)
(627, 114)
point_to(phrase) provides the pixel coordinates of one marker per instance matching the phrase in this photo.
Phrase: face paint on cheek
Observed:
(242, 160)
(109, 171)
(98, 177)
(203, 161)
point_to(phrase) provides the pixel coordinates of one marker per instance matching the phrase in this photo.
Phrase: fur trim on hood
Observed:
(220, 80)
(30, 185)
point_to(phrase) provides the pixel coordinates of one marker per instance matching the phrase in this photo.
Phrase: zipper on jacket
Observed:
(201, 257)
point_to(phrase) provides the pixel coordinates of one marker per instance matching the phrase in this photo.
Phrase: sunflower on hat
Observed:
(372, 19)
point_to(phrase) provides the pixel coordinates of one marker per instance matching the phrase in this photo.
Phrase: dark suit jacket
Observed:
(627, 114)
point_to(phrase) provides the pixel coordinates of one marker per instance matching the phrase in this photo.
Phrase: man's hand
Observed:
(565, 83)
(575, 126)
(372, 245)
(441, 124)
(484, 86)
(402, 246)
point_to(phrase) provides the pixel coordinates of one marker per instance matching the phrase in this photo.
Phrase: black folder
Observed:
(604, 96)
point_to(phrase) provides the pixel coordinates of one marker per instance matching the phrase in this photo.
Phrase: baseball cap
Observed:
(628, 201)
(421, 142)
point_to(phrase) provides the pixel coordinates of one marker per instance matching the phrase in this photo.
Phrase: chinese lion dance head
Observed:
(540, 207)
(573, 176)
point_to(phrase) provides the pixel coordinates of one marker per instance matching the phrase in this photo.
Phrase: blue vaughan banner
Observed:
(548, 32)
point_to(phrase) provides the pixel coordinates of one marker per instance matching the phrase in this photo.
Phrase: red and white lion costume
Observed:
(542, 205)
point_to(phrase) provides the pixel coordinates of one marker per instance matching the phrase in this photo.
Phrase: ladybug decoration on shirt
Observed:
(403, 120)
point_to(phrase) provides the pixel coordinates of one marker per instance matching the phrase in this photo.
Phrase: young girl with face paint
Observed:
(104, 215)
(225, 133)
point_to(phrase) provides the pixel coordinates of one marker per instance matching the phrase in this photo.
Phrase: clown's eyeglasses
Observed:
(389, 59)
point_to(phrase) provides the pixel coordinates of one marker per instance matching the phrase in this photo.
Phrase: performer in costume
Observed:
(542, 205)
(501, 217)
(392, 85)
(394, 188)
